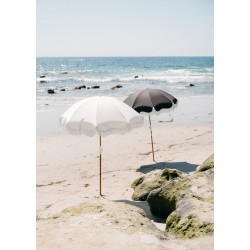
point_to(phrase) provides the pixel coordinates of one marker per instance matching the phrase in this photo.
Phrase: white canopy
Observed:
(102, 115)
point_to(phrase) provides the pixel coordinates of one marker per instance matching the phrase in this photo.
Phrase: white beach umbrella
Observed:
(100, 115)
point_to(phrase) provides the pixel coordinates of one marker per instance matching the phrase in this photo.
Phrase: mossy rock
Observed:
(145, 184)
(188, 227)
(163, 201)
(207, 164)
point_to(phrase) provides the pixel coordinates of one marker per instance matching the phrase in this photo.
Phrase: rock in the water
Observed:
(42, 76)
(64, 73)
(88, 87)
(51, 91)
(145, 184)
(62, 89)
(136, 76)
(207, 164)
(80, 87)
(43, 81)
(191, 85)
(117, 87)
(95, 87)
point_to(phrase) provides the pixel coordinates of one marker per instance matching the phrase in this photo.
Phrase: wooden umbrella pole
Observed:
(152, 143)
(100, 165)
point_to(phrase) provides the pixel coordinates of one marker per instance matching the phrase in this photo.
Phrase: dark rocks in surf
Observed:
(136, 76)
(51, 91)
(64, 73)
(43, 81)
(42, 76)
(191, 85)
(117, 87)
(62, 90)
(81, 87)
(95, 87)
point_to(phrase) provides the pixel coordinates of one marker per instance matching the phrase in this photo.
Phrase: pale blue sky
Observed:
(125, 28)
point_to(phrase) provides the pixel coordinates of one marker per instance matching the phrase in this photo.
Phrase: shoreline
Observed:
(195, 109)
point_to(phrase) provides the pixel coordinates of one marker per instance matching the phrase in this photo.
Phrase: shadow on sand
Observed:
(182, 166)
(144, 205)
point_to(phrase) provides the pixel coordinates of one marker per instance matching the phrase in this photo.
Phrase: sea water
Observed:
(171, 74)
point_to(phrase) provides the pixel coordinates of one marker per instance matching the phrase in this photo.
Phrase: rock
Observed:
(64, 73)
(186, 203)
(145, 184)
(62, 89)
(117, 87)
(95, 87)
(51, 91)
(191, 85)
(99, 224)
(42, 76)
(136, 76)
(88, 87)
(189, 227)
(43, 81)
(163, 201)
(81, 87)
(207, 164)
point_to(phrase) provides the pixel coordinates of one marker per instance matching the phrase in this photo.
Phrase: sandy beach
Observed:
(68, 167)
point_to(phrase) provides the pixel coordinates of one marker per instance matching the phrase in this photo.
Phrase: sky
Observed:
(125, 28)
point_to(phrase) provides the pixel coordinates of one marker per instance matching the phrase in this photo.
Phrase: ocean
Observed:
(171, 74)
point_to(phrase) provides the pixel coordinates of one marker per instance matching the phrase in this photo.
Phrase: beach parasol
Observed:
(100, 115)
(151, 101)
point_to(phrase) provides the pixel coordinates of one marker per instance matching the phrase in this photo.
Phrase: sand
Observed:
(68, 166)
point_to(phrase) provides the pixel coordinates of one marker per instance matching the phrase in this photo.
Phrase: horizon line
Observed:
(117, 56)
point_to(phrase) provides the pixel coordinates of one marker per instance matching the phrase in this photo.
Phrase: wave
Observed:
(167, 79)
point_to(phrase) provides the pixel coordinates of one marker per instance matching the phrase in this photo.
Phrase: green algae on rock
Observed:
(185, 200)
(145, 184)
(189, 227)
(163, 201)
(207, 164)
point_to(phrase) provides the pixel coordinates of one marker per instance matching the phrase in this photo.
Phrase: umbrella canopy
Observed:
(151, 100)
(148, 100)
(100, 115)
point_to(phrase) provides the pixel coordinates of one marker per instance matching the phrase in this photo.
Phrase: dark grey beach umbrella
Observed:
(151, 100)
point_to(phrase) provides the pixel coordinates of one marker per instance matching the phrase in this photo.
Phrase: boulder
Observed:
(51, 91)
(117, 87)
(80, 87)
(163, 200)
(64, 73)
(191, 85)
(207, 164)
(42, 76)
(136, 76)
(145, 184)
(43, 81)
(186, 203)
(62, 89)
(185, 200)
(95, 87)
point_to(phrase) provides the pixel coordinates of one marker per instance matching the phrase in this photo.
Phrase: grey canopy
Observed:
(148, 99)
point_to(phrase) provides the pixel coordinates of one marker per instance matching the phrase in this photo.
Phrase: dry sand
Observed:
(68, 166)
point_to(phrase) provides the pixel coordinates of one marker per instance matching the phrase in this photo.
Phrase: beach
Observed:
(68, 166)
